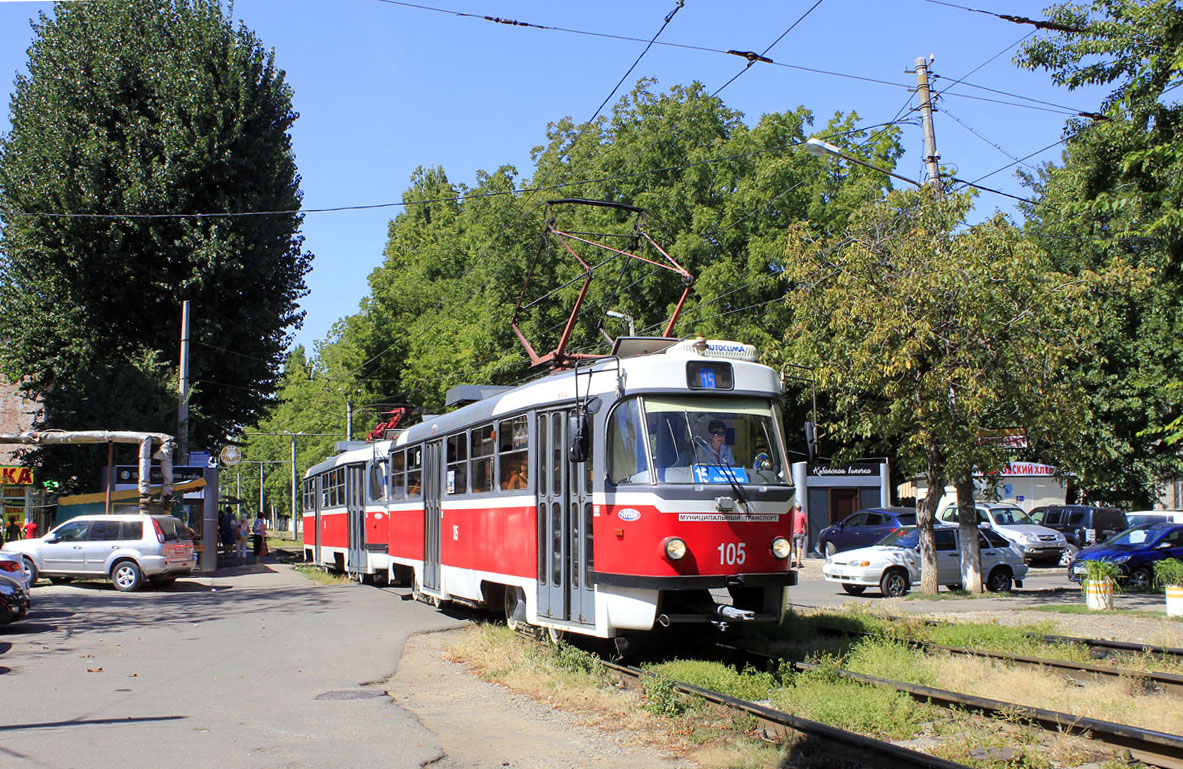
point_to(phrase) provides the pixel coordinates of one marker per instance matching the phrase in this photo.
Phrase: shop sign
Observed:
(854, 468)
(16, 476)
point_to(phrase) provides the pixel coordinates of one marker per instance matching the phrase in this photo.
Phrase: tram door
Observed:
(564, 525)
(355, 511)
(432, 514)
(317, 502)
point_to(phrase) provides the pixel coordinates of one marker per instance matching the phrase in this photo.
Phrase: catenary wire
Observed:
(763, 56)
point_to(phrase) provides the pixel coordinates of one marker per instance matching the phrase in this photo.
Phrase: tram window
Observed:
(513, 453)
(398, 474)
(377, 481)
(482, 458)
(414, 471)
(556, 442)
(588, 478)
(457, 478)
(627, 455)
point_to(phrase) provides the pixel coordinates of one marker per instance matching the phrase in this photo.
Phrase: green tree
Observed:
(717, 195)
(1119, 191)
(924, 334)
(135, 118)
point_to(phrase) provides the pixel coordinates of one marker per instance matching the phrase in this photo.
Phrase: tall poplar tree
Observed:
(142, 133)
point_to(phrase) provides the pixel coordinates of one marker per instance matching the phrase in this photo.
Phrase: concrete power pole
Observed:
(932, 158)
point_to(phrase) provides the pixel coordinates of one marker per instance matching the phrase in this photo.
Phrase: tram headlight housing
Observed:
(781, 547)
(675, 549)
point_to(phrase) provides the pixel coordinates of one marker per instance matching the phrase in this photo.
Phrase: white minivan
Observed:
(127, 549)
(1039, 545)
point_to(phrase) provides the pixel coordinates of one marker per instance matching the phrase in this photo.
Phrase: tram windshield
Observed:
(697, 440)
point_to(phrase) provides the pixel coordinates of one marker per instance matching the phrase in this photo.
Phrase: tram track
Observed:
(1152, 747)
(1166, 683)
(778, 726)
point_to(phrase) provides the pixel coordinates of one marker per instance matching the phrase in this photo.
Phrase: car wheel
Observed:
(127, 576)
(1141, 577)
(830, 549)
(31, 570)
(894, 583)
(853, 589)
(999, 581)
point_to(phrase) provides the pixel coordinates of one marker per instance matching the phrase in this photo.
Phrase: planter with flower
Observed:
(1099, 583)
(1169, 573)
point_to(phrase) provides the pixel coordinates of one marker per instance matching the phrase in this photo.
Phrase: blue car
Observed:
(1134, 551)
(864, 528)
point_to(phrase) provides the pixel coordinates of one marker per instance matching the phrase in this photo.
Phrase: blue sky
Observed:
(383, 87)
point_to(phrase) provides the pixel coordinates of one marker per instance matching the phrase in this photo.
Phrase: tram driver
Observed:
(713, 450)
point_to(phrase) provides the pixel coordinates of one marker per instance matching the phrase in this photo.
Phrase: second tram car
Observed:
(646, 488)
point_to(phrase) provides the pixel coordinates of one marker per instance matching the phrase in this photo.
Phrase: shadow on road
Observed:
(94, 607)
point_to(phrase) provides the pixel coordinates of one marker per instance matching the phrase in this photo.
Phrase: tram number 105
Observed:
(731, 553)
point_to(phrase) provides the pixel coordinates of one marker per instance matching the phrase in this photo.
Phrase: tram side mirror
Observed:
(592, 405)
(580, 433)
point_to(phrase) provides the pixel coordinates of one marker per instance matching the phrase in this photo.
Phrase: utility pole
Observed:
(348, 420)
(183, 406)
(932, 158)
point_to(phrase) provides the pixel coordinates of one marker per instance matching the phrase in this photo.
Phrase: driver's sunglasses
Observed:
(718, 432)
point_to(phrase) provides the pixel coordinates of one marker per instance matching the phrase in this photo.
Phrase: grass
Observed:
(1082, 609)
(320, 576)
(658, 715)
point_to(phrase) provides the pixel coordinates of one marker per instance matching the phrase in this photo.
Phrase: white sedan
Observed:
(893, 565)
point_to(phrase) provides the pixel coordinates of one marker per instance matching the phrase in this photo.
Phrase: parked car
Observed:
(894, 564)
(13, 567)
(1154, 516)
(1081, 525)
(1134, 551)
(127, 549)
(14, 599)
(866, 527)
(1037, 544)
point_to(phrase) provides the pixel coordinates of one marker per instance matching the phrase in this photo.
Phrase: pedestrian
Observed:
(800, 530)
(244, 534)
(227, 531)
(12, 532)
(30, 529)
(259, 532)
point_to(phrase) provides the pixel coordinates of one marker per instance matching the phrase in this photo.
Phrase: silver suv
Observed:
(1039, 545)
(127, 549)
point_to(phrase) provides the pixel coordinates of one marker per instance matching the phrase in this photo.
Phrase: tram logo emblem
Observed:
(628, 514)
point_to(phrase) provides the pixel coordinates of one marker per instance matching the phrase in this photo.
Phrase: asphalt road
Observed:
(1041, 587)
(247, 669)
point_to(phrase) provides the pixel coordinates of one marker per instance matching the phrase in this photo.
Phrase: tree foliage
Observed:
(1119, 192)
(134, 118)
(925, 334)
(717, 196)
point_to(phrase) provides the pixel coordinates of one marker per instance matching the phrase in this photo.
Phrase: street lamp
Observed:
(614, 314)
(819, 147)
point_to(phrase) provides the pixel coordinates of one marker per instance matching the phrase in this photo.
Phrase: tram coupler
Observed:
(732, 614)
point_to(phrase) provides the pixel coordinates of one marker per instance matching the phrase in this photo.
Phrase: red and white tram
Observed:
(649, 487)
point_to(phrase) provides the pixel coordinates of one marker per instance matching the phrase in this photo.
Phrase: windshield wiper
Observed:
(728, 473)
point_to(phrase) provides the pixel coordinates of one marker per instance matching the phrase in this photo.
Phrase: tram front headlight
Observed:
(781, 547)
(675, 549)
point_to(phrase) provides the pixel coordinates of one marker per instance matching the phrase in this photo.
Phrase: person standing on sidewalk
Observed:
(259, 531)
(241, 537)
(800, 530)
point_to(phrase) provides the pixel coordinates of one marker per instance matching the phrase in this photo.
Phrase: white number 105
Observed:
(731, 553)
